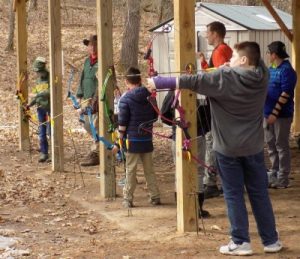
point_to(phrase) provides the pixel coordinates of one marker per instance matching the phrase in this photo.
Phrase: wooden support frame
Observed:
(56, 85)
(296, 61)
(105, 57)
(21, 24)
(186, 172)
(277, 18)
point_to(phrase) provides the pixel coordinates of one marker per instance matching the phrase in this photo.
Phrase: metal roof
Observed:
(251, 17)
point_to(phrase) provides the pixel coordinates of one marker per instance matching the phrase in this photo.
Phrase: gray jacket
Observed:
(237, 98)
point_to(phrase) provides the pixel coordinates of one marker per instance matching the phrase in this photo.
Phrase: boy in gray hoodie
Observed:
(237, 94)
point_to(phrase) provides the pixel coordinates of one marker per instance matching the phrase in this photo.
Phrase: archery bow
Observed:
(27, 115)
(179, 122)
(108, 111)
(96, 136)
(70, 95)
(148, 53)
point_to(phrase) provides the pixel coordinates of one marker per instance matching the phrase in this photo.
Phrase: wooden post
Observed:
(105, 57)
(21, 23)
(296, 61)
(56, 85)
(277, 18)
(186, 172)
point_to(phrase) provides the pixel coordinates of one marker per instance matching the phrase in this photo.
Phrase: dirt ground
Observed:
(46, 214)
(53, 215)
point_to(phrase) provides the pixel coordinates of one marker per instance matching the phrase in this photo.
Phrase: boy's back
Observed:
(134, 109)
(237, 98)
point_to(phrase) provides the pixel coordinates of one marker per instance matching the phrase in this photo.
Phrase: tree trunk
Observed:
(165, 10)
(130, 41)
(10, 41)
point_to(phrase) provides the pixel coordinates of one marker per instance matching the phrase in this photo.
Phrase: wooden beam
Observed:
(56, 85)
(186, 172)
(105, 57)
(277, 18)
(296, 62)
(15, 5)
(21, 27)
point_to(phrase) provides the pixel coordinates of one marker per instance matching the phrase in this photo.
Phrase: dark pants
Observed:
(44, 129)
(250, 172)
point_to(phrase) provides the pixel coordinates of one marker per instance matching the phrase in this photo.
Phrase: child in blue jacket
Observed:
(135, 109)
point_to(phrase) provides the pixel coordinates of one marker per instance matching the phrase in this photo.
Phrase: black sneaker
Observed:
(211, 192)
(43, 158)
(203, 214)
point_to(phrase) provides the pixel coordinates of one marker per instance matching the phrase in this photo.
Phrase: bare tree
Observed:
(165, 10)
(130, 41)
(10, 41)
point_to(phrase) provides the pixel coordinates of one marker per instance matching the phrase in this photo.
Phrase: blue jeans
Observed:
(248, 171)
(44, 129)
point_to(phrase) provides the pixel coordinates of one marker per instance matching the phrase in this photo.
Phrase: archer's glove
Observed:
(162, 83)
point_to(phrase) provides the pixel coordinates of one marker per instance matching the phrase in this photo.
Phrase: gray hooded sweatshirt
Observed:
(237, 96)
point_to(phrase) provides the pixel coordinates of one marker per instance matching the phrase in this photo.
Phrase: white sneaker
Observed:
(273, 248)
(235, 249)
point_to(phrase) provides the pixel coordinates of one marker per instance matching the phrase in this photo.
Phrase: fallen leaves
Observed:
(7, 232)
(91, 227)
(215, 227)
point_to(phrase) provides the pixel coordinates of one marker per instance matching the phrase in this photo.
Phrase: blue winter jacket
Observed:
(134, 109)
(282, 79)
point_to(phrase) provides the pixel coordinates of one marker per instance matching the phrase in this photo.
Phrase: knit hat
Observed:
(39, 64)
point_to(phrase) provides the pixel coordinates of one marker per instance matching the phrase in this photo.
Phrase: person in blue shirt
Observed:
(278, 113)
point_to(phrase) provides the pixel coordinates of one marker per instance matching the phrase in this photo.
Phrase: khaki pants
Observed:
(210, 179)
(277, 137)
(131, 165)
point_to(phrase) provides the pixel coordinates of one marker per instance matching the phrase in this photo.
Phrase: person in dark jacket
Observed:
(135, 109)
(87, 89)
(279, 111)
(41, 98)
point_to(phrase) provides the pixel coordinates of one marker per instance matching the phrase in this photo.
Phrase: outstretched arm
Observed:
(209, 84)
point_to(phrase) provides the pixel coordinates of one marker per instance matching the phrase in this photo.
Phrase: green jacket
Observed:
(88, 81)
(42, 91)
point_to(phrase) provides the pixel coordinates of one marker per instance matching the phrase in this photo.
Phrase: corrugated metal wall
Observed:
(264, 38)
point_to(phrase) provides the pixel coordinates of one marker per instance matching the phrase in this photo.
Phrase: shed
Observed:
(253, 23)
